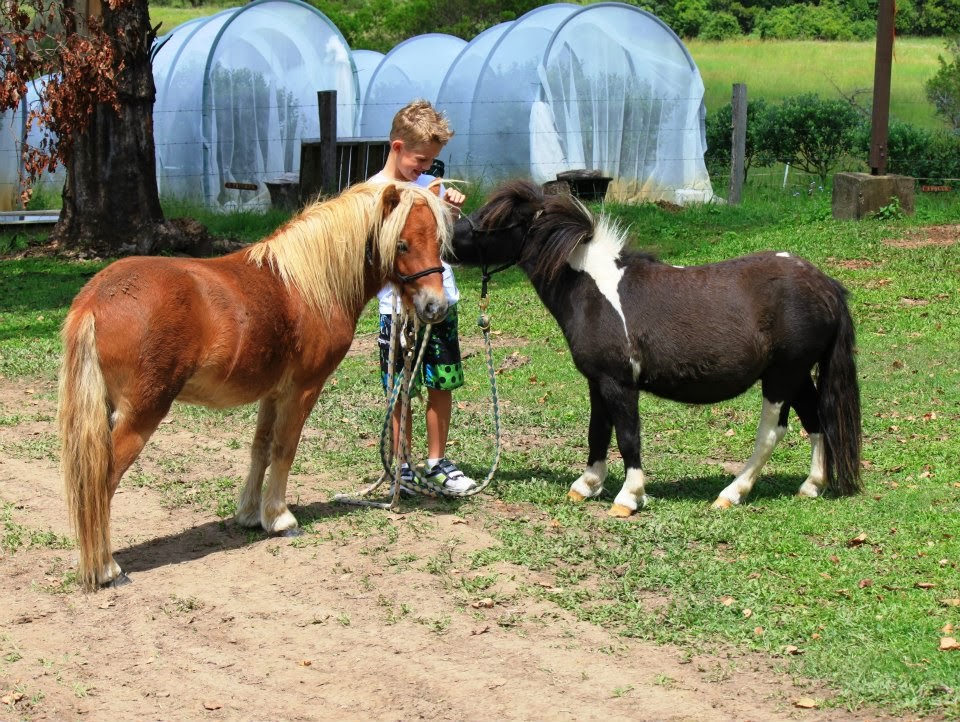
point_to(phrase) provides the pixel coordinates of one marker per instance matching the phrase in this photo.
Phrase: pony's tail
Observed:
(840, 406)
(86, 449)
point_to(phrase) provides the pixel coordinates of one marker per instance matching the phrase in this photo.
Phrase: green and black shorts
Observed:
(442, 367)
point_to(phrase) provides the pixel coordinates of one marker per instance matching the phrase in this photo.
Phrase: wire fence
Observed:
(240, 151)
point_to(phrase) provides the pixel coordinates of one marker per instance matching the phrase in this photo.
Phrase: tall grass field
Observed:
(773, 70)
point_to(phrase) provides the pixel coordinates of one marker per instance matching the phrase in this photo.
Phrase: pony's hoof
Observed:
(620, 511)
(295, 532)
(575, 496)
(722, 503)
(121, 580)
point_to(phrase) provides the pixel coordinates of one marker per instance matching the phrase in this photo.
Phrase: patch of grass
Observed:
(16, 536)
(848, 591)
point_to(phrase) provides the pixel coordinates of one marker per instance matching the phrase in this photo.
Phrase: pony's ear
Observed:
(390, 199)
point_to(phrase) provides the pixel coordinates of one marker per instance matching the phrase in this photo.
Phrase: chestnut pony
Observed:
(268, 323)
(697, 335)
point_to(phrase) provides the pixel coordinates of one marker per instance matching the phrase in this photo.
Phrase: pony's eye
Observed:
(402, 247)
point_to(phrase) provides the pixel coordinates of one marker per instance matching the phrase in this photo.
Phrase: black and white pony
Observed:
(698, 335)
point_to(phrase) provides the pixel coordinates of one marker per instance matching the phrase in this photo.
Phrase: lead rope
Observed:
(428, 488)
(398, 385)
(422, 485)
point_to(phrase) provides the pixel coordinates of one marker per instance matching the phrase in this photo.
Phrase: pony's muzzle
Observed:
(430, 307)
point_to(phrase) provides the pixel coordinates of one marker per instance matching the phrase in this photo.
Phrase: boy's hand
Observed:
(454, 197)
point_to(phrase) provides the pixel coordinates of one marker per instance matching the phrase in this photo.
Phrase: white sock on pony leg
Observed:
(769, 434)
(814, 484)
(590, 483)
(632, 495)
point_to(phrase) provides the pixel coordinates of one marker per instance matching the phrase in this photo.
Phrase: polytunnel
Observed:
(11, 131)
(237, 92)
(626, 98)
(366, 61)
(411, 70)
(13, 134)
(607, 88)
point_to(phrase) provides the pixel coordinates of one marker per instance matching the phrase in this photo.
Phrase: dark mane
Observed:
(563, 224)
(508, 199)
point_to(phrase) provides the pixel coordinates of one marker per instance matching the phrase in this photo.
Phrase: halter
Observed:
(420, 274)
(485, 272)
(368, 255)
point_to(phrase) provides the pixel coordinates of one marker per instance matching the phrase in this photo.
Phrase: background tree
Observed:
(943, 89)
(383, 24)
(97, 102)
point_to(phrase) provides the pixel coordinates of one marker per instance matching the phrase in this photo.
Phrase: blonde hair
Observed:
(321, 252)
(419, 123)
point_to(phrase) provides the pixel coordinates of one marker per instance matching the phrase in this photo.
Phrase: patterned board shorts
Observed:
(442, 368)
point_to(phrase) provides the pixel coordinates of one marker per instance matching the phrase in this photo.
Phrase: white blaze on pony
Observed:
(696, 335)
(600, 261)
(268, 323)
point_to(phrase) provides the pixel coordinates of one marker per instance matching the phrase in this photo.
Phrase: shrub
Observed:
(719, 139)
(939, 17)
(720, 26)
(943, 89)
(929, 156)
(811, 134)
(689, 16)
(810, 22)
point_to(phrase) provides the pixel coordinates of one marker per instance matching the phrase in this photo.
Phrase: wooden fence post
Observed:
(327, 107)
(739, 143)
(318, 156)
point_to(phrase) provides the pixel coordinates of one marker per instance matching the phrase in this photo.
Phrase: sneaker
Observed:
(407, 481)
(447, 475)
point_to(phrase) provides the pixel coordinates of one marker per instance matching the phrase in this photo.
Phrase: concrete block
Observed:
(857, 195)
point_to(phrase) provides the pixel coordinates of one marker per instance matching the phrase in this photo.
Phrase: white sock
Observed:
(432, 463)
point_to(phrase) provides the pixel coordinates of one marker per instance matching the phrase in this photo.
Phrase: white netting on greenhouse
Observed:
(496, 136)
(413, 69)
(366, 61)
(626, 99)
(456, 93)
(11, 133)
(605, 88)
(237, 92)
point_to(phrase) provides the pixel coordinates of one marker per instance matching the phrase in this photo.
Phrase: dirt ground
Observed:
(354, 624)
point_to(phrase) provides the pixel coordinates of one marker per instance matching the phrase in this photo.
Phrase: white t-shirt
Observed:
(450, 289)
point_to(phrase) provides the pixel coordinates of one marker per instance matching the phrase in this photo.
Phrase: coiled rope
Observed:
(401, 388)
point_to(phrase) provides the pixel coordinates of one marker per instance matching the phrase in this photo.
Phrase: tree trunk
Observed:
(110, 200)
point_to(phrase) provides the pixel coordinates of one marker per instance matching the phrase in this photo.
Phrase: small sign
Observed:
(936, 189)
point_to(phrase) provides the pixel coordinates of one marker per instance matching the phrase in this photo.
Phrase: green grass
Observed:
(850, 592)
(774, 70)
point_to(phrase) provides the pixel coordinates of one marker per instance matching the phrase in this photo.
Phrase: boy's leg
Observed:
(442, 373)
(439, 410)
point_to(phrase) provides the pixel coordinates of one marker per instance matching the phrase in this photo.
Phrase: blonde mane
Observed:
(322, 252)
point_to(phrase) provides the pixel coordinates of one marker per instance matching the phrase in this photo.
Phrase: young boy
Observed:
(417, 136)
